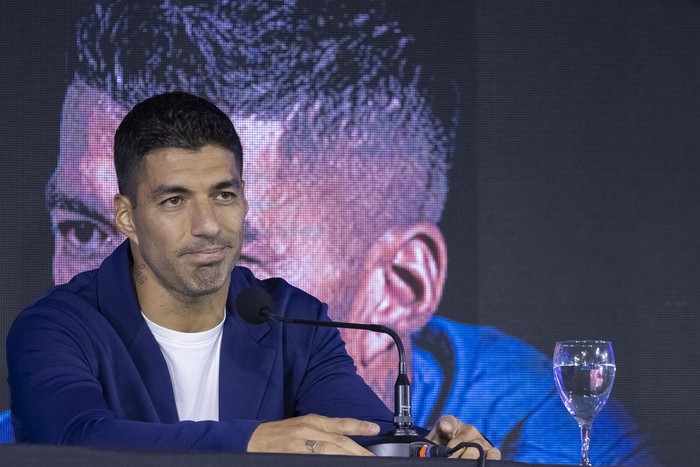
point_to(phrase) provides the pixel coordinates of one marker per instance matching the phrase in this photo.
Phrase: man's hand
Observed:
(449, 431)
(312, 434)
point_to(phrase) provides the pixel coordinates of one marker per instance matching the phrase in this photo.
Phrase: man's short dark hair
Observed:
(170, 120)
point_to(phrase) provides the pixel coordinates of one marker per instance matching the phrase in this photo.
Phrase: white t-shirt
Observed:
(193, 362)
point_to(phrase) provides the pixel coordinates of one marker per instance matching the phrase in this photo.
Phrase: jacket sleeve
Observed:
(324, 377)
(58, 396)
(332, 387)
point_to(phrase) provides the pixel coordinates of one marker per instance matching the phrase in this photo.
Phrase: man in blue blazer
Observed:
(149, 352)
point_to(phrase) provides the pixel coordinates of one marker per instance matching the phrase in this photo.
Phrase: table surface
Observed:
(42, 455)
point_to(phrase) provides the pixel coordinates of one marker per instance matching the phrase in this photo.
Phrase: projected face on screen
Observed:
(345, 165)
(80, 193)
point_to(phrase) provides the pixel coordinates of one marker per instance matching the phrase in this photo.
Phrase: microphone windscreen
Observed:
(251, 302)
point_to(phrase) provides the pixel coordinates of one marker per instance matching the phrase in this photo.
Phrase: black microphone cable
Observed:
(443, 451)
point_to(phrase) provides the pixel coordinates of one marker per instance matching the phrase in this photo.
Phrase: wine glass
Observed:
(584, 372)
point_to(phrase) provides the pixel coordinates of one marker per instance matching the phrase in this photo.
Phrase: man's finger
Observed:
(311, 434)
(340, 448)
(447, 425)
(348, 426)
(491, 452)
(452, 431)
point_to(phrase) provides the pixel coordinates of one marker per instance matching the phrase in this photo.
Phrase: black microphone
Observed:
(255, 305)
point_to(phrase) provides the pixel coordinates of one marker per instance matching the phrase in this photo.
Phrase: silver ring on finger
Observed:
(311, 445)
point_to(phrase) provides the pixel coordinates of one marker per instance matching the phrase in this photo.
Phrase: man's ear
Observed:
(403, 278)
(123, 217)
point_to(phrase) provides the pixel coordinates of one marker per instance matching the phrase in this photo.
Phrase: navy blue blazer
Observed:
(85, 369)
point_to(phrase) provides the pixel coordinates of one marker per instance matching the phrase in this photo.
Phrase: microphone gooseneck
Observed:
(255, 305)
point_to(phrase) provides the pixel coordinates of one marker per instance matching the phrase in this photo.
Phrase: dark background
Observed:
(573, 209)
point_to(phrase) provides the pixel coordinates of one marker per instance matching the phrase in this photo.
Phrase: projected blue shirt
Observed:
(506, 389)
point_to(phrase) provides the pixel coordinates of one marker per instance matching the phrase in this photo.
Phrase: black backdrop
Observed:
(573, 208)
(588, 147)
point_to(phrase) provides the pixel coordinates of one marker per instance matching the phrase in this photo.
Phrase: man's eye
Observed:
(226, 195)
(174, 201)
(82, 233)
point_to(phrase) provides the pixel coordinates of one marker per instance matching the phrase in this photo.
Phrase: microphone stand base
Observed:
(406, 443)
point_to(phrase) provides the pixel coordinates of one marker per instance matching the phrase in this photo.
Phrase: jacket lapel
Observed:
(151, 365)
(245, 369)
(119, 305)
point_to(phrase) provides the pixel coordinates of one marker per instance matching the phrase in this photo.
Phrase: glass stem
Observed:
(585, 442)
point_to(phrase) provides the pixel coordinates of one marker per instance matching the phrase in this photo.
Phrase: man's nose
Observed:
(204, 219)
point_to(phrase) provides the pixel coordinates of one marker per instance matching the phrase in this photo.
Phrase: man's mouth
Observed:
(207, 255)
